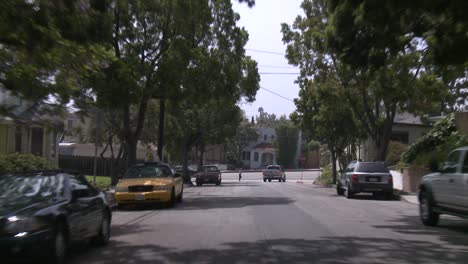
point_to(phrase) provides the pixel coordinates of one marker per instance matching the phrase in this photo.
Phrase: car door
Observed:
(85, 208)
(446, 184)
(462, 193)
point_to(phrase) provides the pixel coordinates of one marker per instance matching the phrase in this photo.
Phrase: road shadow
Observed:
(337, 250)
(452, 230)
(215, 202)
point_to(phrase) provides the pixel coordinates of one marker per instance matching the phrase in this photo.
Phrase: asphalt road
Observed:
(257, 222)
(256, 176)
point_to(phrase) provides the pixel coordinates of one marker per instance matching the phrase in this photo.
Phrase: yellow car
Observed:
(149, 183)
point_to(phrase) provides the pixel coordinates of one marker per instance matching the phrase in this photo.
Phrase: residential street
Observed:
(257, 222)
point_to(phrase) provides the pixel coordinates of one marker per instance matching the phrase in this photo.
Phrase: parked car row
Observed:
(442, 192)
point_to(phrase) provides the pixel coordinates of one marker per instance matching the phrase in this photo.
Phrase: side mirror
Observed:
(79, 193)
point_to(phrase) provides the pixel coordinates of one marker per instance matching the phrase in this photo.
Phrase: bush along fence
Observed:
(85, 164)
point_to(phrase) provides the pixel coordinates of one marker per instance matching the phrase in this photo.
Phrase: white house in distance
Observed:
(261, 152)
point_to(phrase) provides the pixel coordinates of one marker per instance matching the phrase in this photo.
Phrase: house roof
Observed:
(264, 145)
(408, 119)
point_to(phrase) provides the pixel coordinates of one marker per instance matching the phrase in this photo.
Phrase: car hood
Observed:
(22, 206)
(431, 176)
(145, 181)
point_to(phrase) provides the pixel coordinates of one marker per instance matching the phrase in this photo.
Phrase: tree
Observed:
(395, 81)
(286, 140)
(47, 47)
(162, 48)
(246, 132)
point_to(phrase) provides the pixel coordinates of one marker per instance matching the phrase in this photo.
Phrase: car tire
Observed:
(339, 189)
(426, 209)
(388, 195)
(120, 207)
(172, 200)
(269, 180)
(348, 193)
(180, 198)
(59, 248)
(264, 180)
(218, 183)
(105, 231)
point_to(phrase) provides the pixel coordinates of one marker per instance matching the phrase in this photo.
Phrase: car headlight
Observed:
(21, 225)
(161, 187)
(121, 189)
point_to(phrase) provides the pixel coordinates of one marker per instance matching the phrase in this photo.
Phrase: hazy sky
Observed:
(263, 22)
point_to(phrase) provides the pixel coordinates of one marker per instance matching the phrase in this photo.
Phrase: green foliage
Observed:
(102, 182)
(286, 141)
(313, 145)
(371, 86)
(326, 176)
(433, 148)
(394, 152)
(23, 162)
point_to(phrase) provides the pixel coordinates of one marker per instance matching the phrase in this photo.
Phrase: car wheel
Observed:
(388, 195)
(269, 180)
(218, 183)
(264, 180)
(180, 198)
(105, 231)
(60, 245)
(339, 189)
(172, 200)
(426, 210)
(348, 193)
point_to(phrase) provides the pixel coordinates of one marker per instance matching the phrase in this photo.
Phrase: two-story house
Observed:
(261, 152)
(28, 128)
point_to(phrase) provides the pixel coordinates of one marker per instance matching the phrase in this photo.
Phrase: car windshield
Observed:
(372, 167)
(210, 168)
(274, 167)
(148, 172)
(31, 186)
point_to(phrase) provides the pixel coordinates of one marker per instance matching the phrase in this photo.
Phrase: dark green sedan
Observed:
(43, 213)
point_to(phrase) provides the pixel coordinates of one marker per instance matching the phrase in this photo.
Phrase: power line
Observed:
(267, 52)
(279, 95)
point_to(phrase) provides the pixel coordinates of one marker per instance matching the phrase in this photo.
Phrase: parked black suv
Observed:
(42, 213)
(445, 192)
(370, 177)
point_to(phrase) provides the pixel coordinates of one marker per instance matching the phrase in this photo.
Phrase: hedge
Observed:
(23, 162)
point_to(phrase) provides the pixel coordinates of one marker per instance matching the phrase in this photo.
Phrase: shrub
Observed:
(326, 177)
(394, 152)
(432, 149)
(23, 162)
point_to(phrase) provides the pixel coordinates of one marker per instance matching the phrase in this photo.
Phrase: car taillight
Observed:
(355, 178)
(390, 179)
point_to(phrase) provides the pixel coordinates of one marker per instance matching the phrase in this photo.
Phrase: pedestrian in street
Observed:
(240, 174)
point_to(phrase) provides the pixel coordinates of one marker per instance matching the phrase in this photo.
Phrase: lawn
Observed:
(102, 182)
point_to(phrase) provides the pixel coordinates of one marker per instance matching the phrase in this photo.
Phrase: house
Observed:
(261, 152)
(407, 129)
(28, 128)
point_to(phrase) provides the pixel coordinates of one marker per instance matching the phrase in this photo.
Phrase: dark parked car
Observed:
(370, 177)
(208, 174)
(445, 192)
(43, 213)
(180, 170)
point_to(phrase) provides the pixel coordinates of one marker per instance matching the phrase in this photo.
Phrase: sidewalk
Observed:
(410, 198)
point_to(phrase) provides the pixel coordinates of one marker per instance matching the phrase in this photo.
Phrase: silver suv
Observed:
(445, 192)
(370, 177)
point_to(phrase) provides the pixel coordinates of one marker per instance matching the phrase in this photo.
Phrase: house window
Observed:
(398, 136)
(70, 124)
(245, 155)
(18, 140)
(265, 137)
(272, 137)
(255, 156)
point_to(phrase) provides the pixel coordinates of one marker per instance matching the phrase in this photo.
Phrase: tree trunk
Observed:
(186, 175)
(334, 174)
(162, 108)
(200, 161)
(131, 151)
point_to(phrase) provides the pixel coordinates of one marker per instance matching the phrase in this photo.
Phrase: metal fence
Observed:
(85, 164)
